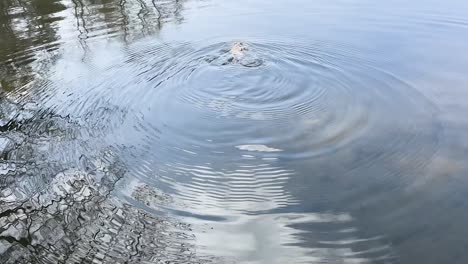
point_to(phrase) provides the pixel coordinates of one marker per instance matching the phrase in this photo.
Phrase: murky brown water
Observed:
(210, 131)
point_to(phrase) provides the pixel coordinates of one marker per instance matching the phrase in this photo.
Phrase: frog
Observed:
(237, 53)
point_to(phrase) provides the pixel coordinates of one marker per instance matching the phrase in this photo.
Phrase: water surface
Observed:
(132, 132)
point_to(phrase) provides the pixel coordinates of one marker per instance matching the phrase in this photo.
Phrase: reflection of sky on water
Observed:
(291, 238)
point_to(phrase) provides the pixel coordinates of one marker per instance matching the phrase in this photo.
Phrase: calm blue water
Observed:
(208, 131)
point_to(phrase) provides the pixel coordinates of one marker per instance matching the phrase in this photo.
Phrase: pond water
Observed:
(208, 131)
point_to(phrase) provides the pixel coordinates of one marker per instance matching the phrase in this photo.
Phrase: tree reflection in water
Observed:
(57, 211)
(33, 32)
(56, 204)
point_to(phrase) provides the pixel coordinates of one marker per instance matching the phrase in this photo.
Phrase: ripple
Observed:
(249, 188)
(223, 138)
(308, 99)
(287, 87)
(173, 108)
(199, 123)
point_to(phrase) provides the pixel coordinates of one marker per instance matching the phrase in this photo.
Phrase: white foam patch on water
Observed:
(259, 148)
